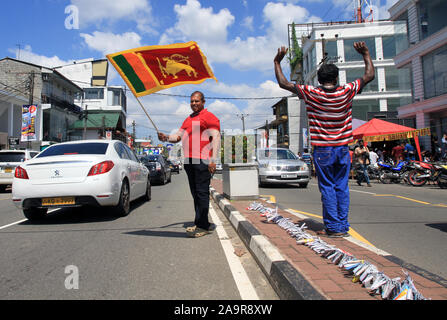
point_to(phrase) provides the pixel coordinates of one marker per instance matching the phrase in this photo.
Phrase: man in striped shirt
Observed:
(329, 109)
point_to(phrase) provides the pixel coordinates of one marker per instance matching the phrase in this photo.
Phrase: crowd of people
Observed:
(364, 155)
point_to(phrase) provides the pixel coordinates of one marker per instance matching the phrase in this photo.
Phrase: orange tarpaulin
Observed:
(380, 130)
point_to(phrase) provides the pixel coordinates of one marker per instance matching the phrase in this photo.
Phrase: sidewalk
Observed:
(297, 272)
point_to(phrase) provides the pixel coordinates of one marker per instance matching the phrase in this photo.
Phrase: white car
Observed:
(87, 172)
(279, 165)
(9, 160)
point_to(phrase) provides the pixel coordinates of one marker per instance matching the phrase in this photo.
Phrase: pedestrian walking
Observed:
(361, 156)
(329, 109)
(200, 136)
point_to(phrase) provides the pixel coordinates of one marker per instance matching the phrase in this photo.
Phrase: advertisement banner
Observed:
(29, 113)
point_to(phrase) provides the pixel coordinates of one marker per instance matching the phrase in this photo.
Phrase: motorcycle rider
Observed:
(361, 158)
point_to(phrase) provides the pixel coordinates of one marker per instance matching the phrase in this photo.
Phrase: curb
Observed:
(288, 282)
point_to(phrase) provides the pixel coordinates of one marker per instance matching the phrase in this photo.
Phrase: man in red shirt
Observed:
(200, 136)
(397, 152)
(329, 109)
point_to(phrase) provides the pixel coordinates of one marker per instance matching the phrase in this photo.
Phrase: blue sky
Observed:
(239, 38)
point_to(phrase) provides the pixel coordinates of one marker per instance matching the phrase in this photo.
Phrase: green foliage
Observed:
(295, 53)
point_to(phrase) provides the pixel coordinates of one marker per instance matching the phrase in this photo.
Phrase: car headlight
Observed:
(304, 168)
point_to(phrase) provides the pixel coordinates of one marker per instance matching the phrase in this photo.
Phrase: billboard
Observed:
(29, 113)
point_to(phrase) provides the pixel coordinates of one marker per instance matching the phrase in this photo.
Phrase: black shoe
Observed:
(359, 183)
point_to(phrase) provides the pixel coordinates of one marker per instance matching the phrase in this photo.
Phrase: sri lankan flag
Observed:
(150, 69)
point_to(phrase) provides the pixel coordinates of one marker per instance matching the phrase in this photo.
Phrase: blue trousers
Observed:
(332, 166)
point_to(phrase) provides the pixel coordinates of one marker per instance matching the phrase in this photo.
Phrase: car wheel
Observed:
(123, 207)
(35, 214)
(148, 194)
(170, 176)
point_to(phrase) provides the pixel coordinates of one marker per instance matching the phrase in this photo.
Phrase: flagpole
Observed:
(142, 107)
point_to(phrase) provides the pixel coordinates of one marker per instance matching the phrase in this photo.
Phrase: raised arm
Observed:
(282, 81)
(361, 48)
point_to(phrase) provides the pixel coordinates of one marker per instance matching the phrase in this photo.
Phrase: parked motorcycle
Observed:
(425, 172)
(389, 173)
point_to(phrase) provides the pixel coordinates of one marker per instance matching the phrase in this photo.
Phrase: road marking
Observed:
(12, 224)
(271, 198)
(401, 197)
(243, 283)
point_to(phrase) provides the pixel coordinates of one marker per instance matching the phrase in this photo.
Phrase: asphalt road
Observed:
(145, 255)
(407, 222)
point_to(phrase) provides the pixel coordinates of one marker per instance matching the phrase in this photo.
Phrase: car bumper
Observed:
(90, 192)
(282, 177)
(156, 175)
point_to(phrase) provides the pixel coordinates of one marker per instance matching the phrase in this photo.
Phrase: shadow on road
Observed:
(155, 232)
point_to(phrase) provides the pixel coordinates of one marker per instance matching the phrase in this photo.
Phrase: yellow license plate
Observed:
(58, 201)
(8, 170)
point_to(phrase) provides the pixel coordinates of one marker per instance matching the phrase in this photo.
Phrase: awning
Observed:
(98, 121)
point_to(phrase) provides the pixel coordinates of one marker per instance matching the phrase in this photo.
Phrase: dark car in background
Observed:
(174, 166)
(159, 168)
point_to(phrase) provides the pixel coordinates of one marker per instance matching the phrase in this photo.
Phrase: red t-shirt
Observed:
(196, 138)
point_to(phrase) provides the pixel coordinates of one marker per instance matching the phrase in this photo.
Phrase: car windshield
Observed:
(75, 148)
(276, 154)
(12, 156)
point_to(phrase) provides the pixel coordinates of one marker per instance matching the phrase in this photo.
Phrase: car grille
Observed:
(288, 168)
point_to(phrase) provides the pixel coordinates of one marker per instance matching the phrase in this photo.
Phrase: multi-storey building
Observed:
(104, 107)
(426, 60)
(23, 83)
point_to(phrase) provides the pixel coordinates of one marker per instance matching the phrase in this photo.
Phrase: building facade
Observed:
(23, 83)
(104, 107)
(426, 58)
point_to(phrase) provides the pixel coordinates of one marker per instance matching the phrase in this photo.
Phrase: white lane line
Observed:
(243, 283)
(14, 223)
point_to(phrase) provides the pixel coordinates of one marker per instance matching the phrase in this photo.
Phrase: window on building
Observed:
(331, 50)
(394, 103)
(356, 73)
(393, 45)
(352, 55)
(116, 96)
(397, 79)
(94, 93)
(360, 108)
(435, 72)
(313, 58)
(432, 16)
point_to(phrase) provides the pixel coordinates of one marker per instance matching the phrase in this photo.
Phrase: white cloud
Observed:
(27, 54)
(107, 42)
(248, 23)
(209, 29)
(106, 11)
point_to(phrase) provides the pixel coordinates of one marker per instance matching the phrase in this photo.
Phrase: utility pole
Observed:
(133, 134)
(242, 116)
(84, 135)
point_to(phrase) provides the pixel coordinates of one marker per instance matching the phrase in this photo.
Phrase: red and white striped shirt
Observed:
(330, 112)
